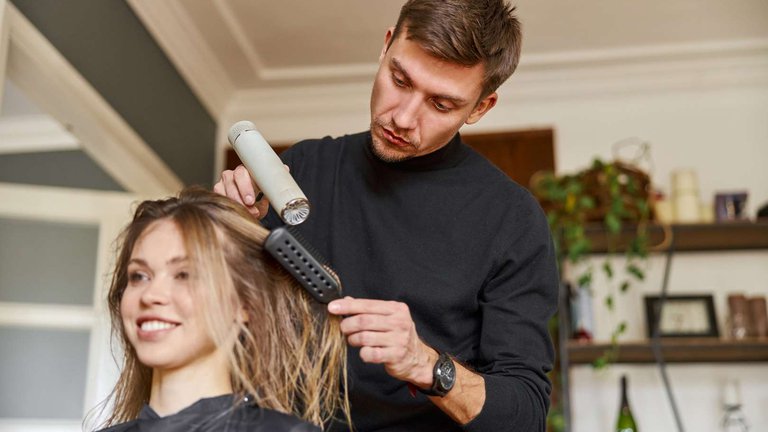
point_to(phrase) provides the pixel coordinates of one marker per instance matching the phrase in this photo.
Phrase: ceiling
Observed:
(174, 70)
(226, 46)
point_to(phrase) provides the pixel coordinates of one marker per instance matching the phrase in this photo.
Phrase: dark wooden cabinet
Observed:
(519, 154)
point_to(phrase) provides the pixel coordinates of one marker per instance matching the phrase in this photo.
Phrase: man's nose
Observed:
(407, 113)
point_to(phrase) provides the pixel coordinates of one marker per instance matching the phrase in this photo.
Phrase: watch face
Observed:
(447, 373)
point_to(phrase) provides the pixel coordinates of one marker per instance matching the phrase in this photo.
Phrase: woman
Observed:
(216, 335)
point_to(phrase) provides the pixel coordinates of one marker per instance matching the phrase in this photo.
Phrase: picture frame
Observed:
(682, 316)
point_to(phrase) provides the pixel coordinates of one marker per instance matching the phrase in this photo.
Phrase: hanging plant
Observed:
(613, 194)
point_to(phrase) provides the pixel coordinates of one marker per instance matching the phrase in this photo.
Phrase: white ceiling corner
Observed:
(242, 56)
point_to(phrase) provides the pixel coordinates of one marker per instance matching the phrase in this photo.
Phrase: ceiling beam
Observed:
(44, 75)
(181, 41)
(34, 133)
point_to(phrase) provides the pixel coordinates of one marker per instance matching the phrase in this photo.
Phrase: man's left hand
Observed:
(386, 334)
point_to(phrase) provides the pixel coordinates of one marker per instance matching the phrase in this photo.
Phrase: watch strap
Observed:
(437, 388)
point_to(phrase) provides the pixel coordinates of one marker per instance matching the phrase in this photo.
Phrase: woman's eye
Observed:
(182, 275)
(136, 277)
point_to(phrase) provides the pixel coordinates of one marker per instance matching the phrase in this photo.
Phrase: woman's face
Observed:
(160, 309)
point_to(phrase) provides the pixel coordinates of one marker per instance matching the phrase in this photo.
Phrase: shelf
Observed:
(692, 237)
(676, 350)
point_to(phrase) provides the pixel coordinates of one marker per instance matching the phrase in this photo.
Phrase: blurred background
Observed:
(104, 102)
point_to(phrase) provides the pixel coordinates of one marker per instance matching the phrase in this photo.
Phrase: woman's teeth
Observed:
(156, 325)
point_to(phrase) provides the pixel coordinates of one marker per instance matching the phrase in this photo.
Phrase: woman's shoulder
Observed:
(262, 419)
(122, 427)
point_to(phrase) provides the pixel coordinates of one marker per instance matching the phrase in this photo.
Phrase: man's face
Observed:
(419, 102)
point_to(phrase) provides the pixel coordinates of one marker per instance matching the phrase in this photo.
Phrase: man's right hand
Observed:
(238, 185)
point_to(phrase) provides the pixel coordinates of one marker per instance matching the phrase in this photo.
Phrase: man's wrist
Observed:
(424, 376)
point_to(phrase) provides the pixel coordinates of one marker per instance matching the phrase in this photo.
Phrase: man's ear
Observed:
(482, 107)
(387, 40)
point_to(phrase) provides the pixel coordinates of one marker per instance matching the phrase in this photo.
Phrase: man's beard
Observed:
(380, 152)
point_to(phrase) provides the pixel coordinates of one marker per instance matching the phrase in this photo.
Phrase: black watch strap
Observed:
(443, 376)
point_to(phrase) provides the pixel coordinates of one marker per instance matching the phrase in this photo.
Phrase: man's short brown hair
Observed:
(466, 32)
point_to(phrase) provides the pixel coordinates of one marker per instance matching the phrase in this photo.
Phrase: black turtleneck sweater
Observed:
(467, 250)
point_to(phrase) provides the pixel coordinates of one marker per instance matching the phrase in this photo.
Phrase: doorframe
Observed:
(110, 212)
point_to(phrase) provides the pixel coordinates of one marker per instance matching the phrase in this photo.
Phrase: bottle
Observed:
(733, 417)
(626, 422)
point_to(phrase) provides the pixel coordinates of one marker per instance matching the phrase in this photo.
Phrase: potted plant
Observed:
(613, 194)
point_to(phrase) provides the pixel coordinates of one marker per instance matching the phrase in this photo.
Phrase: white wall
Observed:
(703, 107)
(719, 128)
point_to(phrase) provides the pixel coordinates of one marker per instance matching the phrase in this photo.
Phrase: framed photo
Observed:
(682, 316)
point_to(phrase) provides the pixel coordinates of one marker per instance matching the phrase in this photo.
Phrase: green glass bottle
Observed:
(626, 422)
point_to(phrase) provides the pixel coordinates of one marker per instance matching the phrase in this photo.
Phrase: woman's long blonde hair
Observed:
(288, 354)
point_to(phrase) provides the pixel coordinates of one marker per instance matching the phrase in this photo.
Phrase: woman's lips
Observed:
(150, 329)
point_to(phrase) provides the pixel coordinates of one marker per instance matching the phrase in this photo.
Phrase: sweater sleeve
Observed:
(516, 350)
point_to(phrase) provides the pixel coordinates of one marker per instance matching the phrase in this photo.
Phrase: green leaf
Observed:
(612, 223)
(608, 269)
(638, 247)
(609, 302)
(585, 279)
(600, 362)
(636, 271)
(617, 206)
(642, 206)
(632, 186)
(621, 328)
(586, 202)
(624, 286)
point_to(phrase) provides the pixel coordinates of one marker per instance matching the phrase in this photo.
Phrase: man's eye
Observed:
(398, 82)
(440, 107)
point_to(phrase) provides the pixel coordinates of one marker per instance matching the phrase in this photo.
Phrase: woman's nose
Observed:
(155, 292)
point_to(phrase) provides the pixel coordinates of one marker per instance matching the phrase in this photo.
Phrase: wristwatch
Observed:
(443, 376)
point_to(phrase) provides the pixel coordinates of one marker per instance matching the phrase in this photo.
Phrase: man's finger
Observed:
(372, 339)
(245, 186)
(230, 190)
(219, 188)
(374, 354)
(353, 306)
(367, 322)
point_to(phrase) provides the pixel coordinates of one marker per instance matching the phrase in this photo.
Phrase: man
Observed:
(447, 263)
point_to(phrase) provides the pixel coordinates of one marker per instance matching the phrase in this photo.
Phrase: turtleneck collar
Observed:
(445, 157)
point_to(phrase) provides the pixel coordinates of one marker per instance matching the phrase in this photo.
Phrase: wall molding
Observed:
(50, 316)
(547, 77)
(283, 90)
(34, 133)
(27, 425)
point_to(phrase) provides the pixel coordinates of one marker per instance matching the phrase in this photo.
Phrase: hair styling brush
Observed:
(304, 263)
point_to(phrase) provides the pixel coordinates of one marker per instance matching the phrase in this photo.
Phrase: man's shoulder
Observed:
(490, 176)
(501, 193)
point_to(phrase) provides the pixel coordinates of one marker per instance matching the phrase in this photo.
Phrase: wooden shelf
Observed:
(694, 237)
(676, 350)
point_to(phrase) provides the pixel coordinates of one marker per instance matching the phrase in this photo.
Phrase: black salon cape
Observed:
(215, 414)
